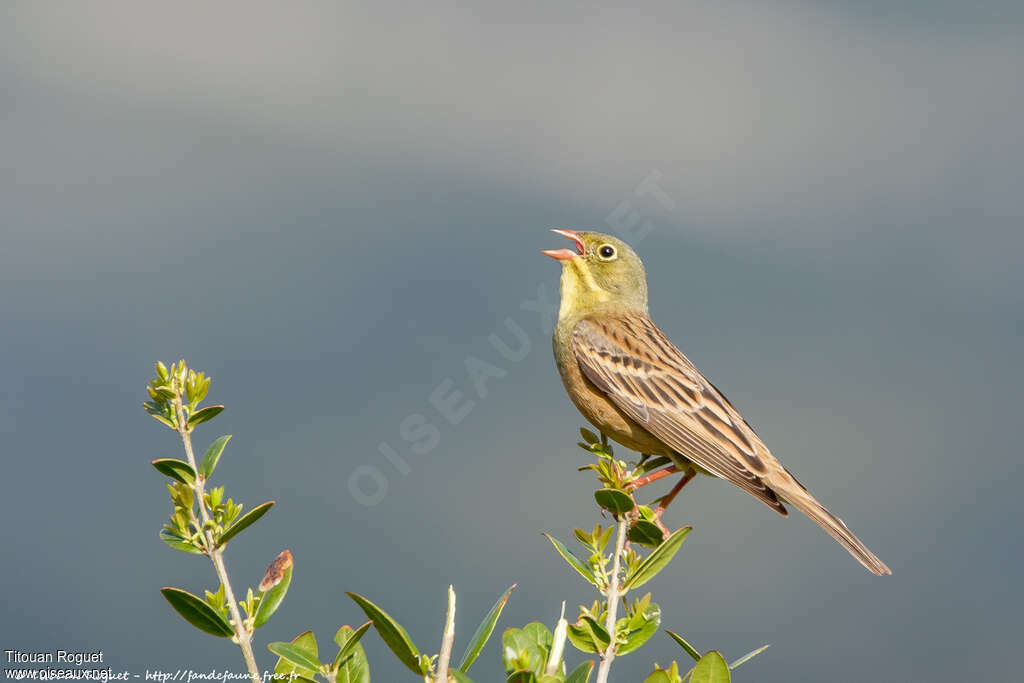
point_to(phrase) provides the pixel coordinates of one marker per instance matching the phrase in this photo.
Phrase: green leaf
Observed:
(615, 501)
(690, 649)
(392, 633)
(573, 561)
(711, 669)
(669, 675)
(351, 665)
(161, 394)
(583, 537)
(196, 612)
(458, 676)
(483, 632)
(645, 533)
(271, 600)
(356, 668)
(588, 635)
(213, 453)
(176, 469)
(285, 669)
(589, 436)
(747, 657)
(639, 628)
(178, 542)
(347, 639)
(216, 600)
(300, 657)
(156, 412)
(307, 641)
(581, 674)
(244, 521)
(522, 677)
(204, 415)
(214, 497)
(525, 648)
(656, 561)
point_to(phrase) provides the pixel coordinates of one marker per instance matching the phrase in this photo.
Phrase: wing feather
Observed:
(635, 364)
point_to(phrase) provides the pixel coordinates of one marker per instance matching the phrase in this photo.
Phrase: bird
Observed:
(633, 384)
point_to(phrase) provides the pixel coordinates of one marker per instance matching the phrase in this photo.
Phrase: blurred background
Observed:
(330, 208)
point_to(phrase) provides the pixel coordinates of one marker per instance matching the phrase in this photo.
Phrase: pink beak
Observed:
(566, 254)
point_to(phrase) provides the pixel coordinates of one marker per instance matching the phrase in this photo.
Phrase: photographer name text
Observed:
(57, 657)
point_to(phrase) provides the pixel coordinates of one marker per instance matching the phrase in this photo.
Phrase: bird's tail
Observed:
(805, 503)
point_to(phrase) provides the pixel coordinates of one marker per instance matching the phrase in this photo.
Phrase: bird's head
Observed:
(602, 270)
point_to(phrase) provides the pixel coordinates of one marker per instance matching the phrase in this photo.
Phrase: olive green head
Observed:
(601, 271)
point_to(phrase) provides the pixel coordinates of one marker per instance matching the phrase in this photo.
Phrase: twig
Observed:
(614, 595)
(216, 554)
(557, 644)
(448, 640)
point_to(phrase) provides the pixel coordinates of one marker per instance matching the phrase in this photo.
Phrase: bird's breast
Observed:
(595, 405)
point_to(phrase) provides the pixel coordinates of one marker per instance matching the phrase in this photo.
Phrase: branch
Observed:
(448, 640)
(216, 554)
(614, 587)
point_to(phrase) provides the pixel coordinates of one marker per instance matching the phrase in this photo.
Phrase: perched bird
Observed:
(634, 385)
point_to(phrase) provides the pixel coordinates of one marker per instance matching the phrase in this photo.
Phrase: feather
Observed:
(632, 362)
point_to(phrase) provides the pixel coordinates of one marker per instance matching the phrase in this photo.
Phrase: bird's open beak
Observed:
(566, 254)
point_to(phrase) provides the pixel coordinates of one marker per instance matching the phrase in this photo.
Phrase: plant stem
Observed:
(447, 640)
(557, 645)
(216, 554)
(614, 595)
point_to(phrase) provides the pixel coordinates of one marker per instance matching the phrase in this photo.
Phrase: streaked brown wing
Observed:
(634, 363)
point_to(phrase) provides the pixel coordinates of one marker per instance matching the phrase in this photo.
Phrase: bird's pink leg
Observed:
(667, 499)
(654, 476)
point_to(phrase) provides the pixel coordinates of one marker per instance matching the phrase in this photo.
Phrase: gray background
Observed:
(330, 208)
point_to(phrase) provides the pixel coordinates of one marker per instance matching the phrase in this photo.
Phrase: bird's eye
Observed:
(606, 252)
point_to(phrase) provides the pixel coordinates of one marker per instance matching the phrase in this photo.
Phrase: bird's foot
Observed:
(667, 499)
